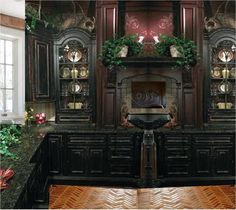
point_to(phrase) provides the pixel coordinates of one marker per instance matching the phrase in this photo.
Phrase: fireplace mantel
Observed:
(147, 61)
(164, 66)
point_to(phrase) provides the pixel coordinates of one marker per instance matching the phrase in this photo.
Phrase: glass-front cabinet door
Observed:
(220, 77)
(75, 76)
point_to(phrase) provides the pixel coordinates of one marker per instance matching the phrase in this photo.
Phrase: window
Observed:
(6, 76)
(11, 75)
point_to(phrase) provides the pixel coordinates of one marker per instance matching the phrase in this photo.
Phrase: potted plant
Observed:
(35, 18)
(183, 49)
(10, 136)
(116, 48)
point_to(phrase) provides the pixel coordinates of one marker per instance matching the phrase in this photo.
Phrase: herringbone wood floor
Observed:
(200, 197)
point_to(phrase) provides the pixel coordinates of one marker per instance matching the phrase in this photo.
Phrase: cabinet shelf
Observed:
(79, 110)
(77, 94)
(71, 79)
(75, 63)
(224, 110)
(219, 79)
(223, 94)
(224, 63)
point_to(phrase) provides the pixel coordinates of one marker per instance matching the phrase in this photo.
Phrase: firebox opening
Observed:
(148, 94)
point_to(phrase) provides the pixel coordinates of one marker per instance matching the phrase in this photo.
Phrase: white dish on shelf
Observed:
(225, 87)
(75, 87)
(74, 56)
(83, 72)
(216, 72)
(225, 55)
(65, 72)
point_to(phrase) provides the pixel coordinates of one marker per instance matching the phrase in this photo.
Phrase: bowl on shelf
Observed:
(223, 105)
(76, 105)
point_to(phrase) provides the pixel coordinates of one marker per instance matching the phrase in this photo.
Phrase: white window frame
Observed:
(18, 38)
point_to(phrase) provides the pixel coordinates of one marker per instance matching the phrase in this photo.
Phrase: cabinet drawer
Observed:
(121, 170)
(177, 153)
(177, 139)
(121, 140)
(210, 139)
(178, 170)
(120, 153)
(77, 139)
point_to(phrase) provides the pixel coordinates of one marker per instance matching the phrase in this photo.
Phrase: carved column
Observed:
(148, 159)
(108, 24)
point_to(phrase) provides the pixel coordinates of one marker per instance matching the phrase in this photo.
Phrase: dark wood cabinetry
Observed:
(35, 192)
(74, 58)
(39, 182)
(55, 154)
(213, 155)
(115, 158)
(123, 156)
(39, 70)
(219, 63)
(85, 155)
(223, 161)
(177, 155)
(198, 157)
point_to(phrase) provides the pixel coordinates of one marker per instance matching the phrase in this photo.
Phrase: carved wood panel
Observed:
(108, 24)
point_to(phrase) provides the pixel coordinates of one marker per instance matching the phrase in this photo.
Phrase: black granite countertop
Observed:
(30, 142)
(32, 138)
(67, 128)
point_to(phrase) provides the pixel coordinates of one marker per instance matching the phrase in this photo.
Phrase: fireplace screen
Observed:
(148, 94)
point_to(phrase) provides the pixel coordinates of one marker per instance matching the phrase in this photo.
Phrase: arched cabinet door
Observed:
(74, 58)
(220, 76)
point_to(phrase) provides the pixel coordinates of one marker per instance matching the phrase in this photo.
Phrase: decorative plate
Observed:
(225, 55)
(225, 87)
(216, 73)
(74, 56)
(233, 72)
(83, 72)
(65, 72)
(75, 87)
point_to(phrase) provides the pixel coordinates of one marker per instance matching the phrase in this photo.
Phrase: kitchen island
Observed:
(68, 154)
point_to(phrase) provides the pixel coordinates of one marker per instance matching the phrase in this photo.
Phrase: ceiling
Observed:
(15, 8)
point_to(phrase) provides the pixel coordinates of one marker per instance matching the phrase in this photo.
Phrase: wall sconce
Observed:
(156, 39)
(141, 38)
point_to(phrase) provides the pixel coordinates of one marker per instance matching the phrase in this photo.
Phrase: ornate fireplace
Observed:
(148, 86)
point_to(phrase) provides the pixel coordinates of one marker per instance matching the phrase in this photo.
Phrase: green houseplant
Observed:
(34, 18)
(9, 136)
(112, 48)
(185, 49)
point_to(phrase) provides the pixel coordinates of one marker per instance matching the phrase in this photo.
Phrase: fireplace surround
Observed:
(148, 85)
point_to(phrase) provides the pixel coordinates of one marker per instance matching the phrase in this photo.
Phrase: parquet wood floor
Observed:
(197, 197)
